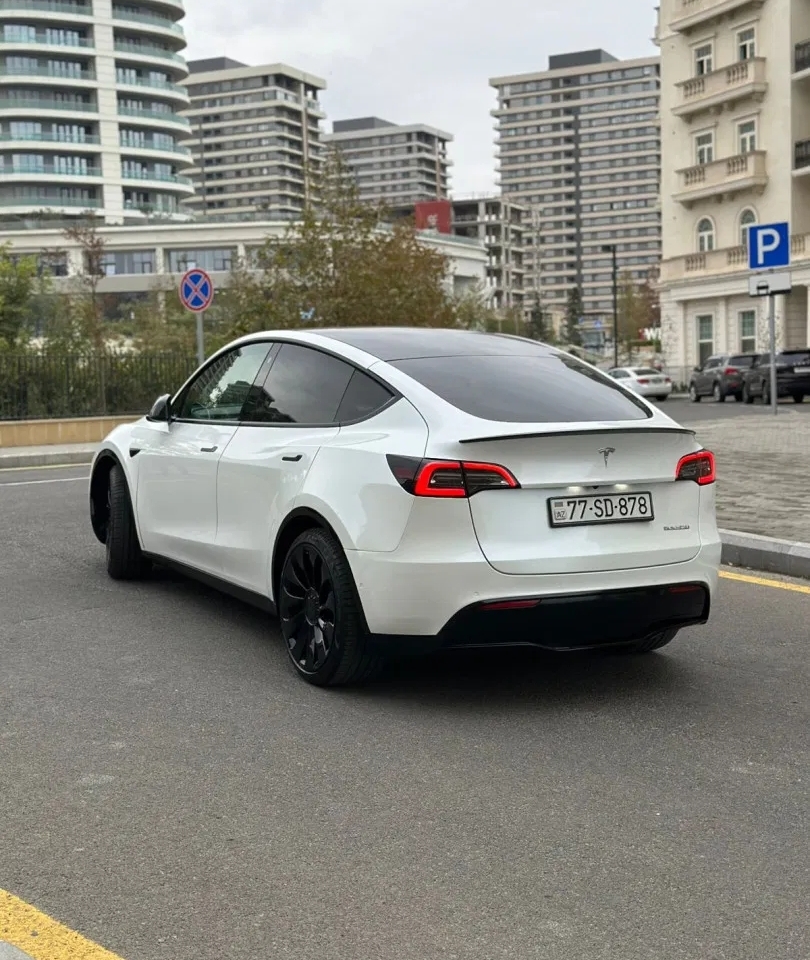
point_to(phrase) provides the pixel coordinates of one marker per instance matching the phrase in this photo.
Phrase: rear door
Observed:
(597, 479)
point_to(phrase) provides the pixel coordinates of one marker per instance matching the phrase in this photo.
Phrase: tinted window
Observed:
(646, 372)
(712, 363)
(525, 389)
(303, 386)
(619, 374)
(800, 357)
(741, 362)
(221, 389)
(363, 397)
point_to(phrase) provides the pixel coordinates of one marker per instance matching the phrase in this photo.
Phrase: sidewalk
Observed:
(60, 454)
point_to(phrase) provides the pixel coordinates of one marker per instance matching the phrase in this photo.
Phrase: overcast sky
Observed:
(419, 61)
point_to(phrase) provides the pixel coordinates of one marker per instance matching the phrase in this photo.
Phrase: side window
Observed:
(619, 374)
(303, 386)
(222, 387)
(363, 397)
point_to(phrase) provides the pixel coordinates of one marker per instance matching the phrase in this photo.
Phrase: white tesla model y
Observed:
(390, 490)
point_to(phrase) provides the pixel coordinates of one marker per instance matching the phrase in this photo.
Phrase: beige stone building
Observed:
(735, 134)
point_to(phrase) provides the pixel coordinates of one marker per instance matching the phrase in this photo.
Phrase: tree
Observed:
(573, 314)
(633, 315)
(18, 288)
(540, 326)
(85, 308)
(341, 265)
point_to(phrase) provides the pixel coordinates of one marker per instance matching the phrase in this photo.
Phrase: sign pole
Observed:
(200, 338)
(772, 342)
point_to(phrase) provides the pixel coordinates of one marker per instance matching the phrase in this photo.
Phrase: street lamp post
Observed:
(611, 249)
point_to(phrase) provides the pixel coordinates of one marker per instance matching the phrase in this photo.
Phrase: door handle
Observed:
(208, 449)
(293, 459)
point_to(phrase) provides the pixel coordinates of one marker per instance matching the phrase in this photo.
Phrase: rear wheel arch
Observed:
(99, 488)
(295, 523)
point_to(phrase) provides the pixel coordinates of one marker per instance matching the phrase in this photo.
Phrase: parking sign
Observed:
(768, 246)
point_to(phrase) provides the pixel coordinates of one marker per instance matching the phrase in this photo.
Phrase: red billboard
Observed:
(434, 215)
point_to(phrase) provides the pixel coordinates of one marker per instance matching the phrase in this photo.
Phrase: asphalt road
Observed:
(681, 409)
(171, 790)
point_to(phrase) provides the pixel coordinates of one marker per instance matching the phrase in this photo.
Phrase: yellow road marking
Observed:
(42, 938)
(765, 582)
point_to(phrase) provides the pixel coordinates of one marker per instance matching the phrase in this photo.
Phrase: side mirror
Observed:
(161, 409)
(695, 369)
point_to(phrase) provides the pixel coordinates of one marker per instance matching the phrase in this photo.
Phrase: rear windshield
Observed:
(740, 361)
(646, 372)
(525, 389)
(793, 357)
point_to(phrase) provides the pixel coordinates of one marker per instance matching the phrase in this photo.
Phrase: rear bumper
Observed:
(655, 389)
(437, 597)
(786, 386)
(567, 622)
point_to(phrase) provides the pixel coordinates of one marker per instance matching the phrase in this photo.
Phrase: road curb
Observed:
(12, 461)
(787, 557)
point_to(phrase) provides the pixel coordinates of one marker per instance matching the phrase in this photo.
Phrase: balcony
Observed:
(150, 115)
(42, 39)
(694, 13)
(42, 203)
(64, 77)
(58, 140)
(147, 50)
(722, 178)
(163, 23)
(48, 170)
(48, 6)
(156, 177)
(28, 104)
(721, 88)
(697, 266)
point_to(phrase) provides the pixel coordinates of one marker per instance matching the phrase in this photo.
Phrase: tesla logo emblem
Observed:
(606, 452)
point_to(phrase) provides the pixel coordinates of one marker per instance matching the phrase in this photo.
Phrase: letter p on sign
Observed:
(769, 246)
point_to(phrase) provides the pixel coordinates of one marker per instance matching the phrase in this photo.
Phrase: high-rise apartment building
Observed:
(394, 164)
(256, 137)
(579, 148)
(735, 114)
(90, 105)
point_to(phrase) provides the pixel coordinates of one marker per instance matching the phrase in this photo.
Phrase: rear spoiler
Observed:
(547, 434)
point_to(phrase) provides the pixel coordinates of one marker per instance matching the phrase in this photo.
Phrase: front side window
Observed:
(747, 136)
(705, 235)
(705, 336)
(220, 390)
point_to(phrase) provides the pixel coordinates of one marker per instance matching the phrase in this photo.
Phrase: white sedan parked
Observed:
(646, 381)
(390, 490)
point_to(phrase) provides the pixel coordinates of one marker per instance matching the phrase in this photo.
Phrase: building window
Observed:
(704, 148)
(748, 331)
(705, 336)
(747, 136)
(746, 44)
(747, 219)
(703, 59)
(705, 235)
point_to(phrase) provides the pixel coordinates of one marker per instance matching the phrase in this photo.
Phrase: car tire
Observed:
(738, 397)
(322, 620)
(746, 394)
(125, 560)
(717, 393)
(654, 642)
(798, 397)
(694, 396)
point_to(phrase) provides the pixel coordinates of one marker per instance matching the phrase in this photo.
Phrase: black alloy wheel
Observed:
(308, 608)
(321, 618)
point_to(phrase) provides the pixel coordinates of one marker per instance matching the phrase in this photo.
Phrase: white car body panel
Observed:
(418, 561)
(658, 385)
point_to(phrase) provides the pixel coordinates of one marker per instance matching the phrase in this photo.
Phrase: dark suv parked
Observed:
(792, 376)
(720, 376)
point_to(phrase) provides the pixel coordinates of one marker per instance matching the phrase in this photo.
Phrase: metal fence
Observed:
(41, 386)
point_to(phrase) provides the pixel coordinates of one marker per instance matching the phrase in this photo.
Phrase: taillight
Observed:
(644, 381)
(667, 380)
(449, 478)
(698, 467)
(730, 370)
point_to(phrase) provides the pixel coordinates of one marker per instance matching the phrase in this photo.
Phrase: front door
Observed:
(176, 463)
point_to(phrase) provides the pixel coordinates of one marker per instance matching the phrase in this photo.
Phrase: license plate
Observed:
(605, 508)
(801, 369)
